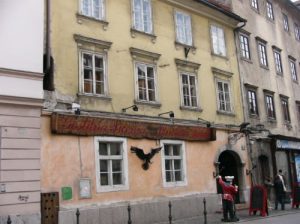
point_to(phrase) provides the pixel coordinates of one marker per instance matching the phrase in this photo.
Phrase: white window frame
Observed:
(81, 53)
(252, 100)
(189, 89)
(125, 185)
(136, 63)
(227, 110)
(218, 40)
(297, 31)
(272, 104)
(183, 159)
(270, 11)
(184, 33)
(278, 62)
(254, 4)
(293, 70)
(140, 26)
(245, 47)
(286, 22)
(285, 109)
(262, 54)
(102, 4)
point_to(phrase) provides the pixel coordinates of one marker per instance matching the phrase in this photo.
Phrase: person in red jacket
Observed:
(228, 198)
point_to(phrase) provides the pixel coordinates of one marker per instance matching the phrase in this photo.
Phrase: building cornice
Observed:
(21, 101)
(21, 74)
(208, 11)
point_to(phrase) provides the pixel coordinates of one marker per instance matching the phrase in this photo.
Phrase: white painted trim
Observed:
(136, 86)
(81, 76)
(181, 88)
(224, 39)
(175, 22)
(230, 94)
(103, 10)
(184, 170)
(123, 187)
(133, 18)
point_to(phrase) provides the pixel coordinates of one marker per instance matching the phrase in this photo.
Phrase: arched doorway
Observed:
(229, 165)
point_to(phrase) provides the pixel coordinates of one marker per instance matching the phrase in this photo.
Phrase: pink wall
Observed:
(61, 167)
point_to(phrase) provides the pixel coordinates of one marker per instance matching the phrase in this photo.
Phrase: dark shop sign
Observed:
(93, 126)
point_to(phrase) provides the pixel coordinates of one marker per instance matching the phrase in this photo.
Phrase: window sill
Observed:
(254, 116)
(196, 109)
(148, 103)
(264, 67)
(135, 32)
(279, 74)
(288, 125)
(101, 189)
(295, 81)
(226, 113)
(255, 10)
(175, 184)
(81, 18)
(183, 45)
(247, 60)
(270, 20)
(272, 120)
(100, 97)
(220, 56)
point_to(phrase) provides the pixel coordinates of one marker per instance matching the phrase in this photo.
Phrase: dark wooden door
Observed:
(49, 207)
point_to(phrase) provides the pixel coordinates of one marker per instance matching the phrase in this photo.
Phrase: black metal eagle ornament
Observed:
(146, 158)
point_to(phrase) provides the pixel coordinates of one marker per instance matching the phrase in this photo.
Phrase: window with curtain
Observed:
(142, 15)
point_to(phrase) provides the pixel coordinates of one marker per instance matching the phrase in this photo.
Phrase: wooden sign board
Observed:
(93, 126)
(258, 200)
(296, 195)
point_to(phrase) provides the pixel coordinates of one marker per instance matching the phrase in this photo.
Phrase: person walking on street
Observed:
(228, 198)
(280, 189)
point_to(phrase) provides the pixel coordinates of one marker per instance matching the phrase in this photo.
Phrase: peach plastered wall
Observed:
(62, 166)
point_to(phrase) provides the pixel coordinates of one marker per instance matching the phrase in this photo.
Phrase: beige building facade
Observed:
(160, 76)
(269, 66)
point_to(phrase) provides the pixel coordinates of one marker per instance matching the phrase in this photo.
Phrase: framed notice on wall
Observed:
(297, 164)
(85, 188)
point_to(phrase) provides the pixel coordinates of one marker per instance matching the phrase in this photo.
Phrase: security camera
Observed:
(76, 108)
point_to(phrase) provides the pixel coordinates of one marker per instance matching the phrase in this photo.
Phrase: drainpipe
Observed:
(235, 31)
(248, 143)
(48, 70)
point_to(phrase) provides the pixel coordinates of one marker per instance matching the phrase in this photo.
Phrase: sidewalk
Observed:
(244, 216)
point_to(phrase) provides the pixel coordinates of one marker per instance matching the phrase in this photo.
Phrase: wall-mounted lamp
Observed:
(248, 172)
(76, 108)
(171, 114)
(134, 108)
(207, 123)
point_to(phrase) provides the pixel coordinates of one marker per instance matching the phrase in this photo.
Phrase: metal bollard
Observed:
(8, 220)
(170, 212)
(129, 214)
(205, 212)
(77, 216)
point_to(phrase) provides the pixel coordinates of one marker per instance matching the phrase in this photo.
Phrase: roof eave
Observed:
(220, 9)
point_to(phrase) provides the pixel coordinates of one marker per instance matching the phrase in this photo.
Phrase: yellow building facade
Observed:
(148, 74)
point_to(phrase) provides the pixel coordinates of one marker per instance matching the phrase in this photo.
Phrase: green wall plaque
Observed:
(66, 193)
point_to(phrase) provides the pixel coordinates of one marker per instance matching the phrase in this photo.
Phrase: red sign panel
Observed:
(91, 126)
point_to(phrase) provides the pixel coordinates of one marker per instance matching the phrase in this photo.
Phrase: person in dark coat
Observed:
(280, 189)
(228, 199)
